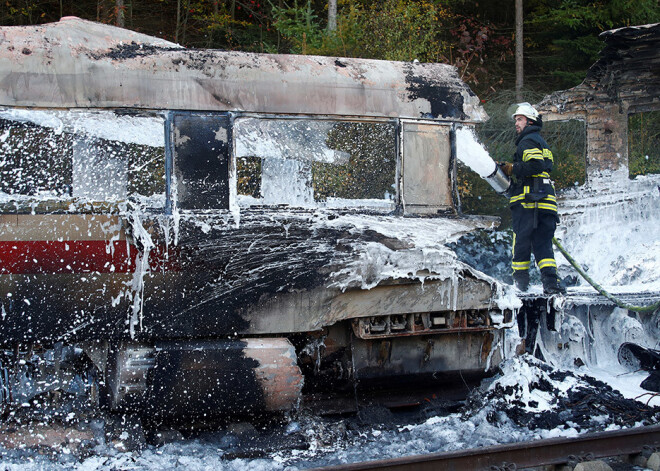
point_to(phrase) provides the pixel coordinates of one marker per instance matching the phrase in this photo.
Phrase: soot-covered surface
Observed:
(488, 252)
(527, 400)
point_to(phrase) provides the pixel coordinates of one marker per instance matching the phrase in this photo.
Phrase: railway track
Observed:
(554, 451)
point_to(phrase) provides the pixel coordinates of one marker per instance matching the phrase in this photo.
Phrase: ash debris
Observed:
(527, 400)
(532, 394)
(487, 251)
(132, 50)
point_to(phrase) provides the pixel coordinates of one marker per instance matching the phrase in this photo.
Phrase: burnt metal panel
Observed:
(78, 63)
(203, 379)
(202, 155)
(195, 379)
(74, 276)
(405, 356)
(427, 187)
(288, 312)
(211, 378)
(52, 307)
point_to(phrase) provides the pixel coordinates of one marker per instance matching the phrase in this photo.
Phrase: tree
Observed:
(119, 6)
(332, 15)
(519, 50)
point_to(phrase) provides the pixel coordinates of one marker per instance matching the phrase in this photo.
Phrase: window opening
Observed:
(644, 143)
(201, 160)
(97, 156)
(568, 143)
(315, 163)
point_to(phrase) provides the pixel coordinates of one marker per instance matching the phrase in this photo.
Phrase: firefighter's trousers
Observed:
(528, 239)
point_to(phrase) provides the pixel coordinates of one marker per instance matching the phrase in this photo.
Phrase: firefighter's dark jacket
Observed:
(531, 186)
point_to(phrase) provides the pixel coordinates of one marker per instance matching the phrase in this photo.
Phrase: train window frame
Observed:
(310, 168)
(195, 141)
(75, 130)
(428, 167)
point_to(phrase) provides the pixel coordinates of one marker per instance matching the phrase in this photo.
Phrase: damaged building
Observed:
(609, 224)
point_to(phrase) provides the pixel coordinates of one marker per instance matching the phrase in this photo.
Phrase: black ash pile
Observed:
(532, 394)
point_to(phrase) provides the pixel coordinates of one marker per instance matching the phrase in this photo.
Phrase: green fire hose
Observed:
(598, 288)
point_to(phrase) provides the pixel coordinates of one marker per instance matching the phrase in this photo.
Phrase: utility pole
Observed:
(519, 50)
(332, 15)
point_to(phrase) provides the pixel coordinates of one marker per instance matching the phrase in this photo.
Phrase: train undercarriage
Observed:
(205, 380)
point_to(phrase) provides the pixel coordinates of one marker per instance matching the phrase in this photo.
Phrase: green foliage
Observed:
(644, 143)
(248, 172)
(400, 30)
(568, 143)
(300, 25)
(391, 30)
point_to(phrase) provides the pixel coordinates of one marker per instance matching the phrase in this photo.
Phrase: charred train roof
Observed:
(79, 63)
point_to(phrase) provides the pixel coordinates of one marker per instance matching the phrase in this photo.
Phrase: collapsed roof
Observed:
(79, 63)
(625, 80)
(628, 73)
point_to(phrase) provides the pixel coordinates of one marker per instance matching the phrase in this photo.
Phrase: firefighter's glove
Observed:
(507, 168)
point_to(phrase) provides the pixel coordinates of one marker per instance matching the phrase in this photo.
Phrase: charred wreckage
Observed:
(220, 232)
(209, 233)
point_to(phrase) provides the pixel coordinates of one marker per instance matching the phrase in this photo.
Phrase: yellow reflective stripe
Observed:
(526, 263)
(547, 262)
(548, 206)
(549, 202)
(547, 154)
(546, 203)
(542, 175)
(532, 154)
(518, 266)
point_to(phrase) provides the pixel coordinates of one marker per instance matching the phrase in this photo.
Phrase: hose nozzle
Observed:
(498, 180)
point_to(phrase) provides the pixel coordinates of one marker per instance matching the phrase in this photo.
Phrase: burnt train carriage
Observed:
(217, 230)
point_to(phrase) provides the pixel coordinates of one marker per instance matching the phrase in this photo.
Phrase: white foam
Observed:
(142, 130)
(472, 153)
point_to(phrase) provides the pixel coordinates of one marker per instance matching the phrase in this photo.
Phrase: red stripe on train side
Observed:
(74, 256)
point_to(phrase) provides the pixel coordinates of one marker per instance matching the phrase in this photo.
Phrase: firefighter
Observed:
(532, 201)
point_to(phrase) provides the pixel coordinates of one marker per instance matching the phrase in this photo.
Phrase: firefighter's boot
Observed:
(521, 279)
(551, 283)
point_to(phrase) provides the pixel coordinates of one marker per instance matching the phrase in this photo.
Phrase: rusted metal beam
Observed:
(524, 455)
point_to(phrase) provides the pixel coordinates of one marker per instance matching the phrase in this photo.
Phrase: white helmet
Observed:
(524, 109)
